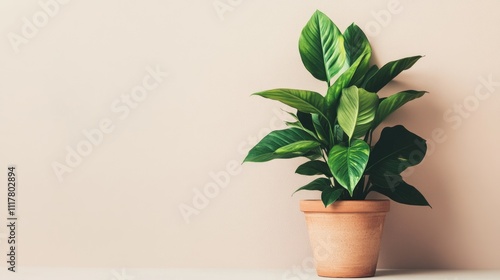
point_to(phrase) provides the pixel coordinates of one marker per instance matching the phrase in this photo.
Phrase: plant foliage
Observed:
(334, 130)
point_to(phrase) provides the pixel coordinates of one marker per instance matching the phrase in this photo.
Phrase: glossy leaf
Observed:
(313, 154)
(371, 71)
(403, 193)
(330, 195)
(322, 128)
(314, 167)
(319, 184)
(348, 163)
(388, 72)
(390, 104)
(361, 70)
(396, 150)
(302, 147)
(302, 100)
(265, 150)
(338, 134)
(345, 80)
(298, 124)
(356, 43)
(356, 111)
(321, 47)
(295, 124)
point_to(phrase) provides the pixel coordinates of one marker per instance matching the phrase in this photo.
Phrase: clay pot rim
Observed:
(346, 206)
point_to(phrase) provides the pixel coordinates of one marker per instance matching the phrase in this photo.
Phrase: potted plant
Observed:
(335, 132)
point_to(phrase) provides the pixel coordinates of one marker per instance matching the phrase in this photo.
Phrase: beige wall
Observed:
(120, 204)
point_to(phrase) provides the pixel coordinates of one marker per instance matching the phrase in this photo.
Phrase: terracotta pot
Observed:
(345, 236)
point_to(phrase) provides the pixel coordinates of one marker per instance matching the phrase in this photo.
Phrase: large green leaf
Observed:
(357, 69)
(319, 184)
(348, 163)
(356, 111)
(330, 195)
(314, 167)
(390, 104)
(302, 147)
(402, 193)
(396, 150)
(356, 43)
(321, 47)
(302, 100)
(265, 150)
(388, 72)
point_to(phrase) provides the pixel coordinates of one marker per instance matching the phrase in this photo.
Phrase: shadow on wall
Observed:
(413, 235)
(418, 237)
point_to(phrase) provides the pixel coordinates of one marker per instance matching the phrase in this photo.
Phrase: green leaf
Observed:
(338, 134)
(313, 154)
(361, 70)
(314, 167)
(356, 43)
(348, 163)
(319, 184)
(302, 100)
(346, 79)
(402, 193)
(390, 104)
(396, 150)
(321, 47)
(265, 150)
(302, 124)
(356, 111)
(295, 124)
(385, 180)
(322, 128)
(302, 147)
(299, 125)
(371, 71)
(330, 195)
(388, 72)
(306, 120)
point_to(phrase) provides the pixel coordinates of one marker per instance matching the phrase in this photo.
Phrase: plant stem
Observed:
(371, 138)
(323, 154)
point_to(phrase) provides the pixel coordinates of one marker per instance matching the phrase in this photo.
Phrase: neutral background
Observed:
(120, 206)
